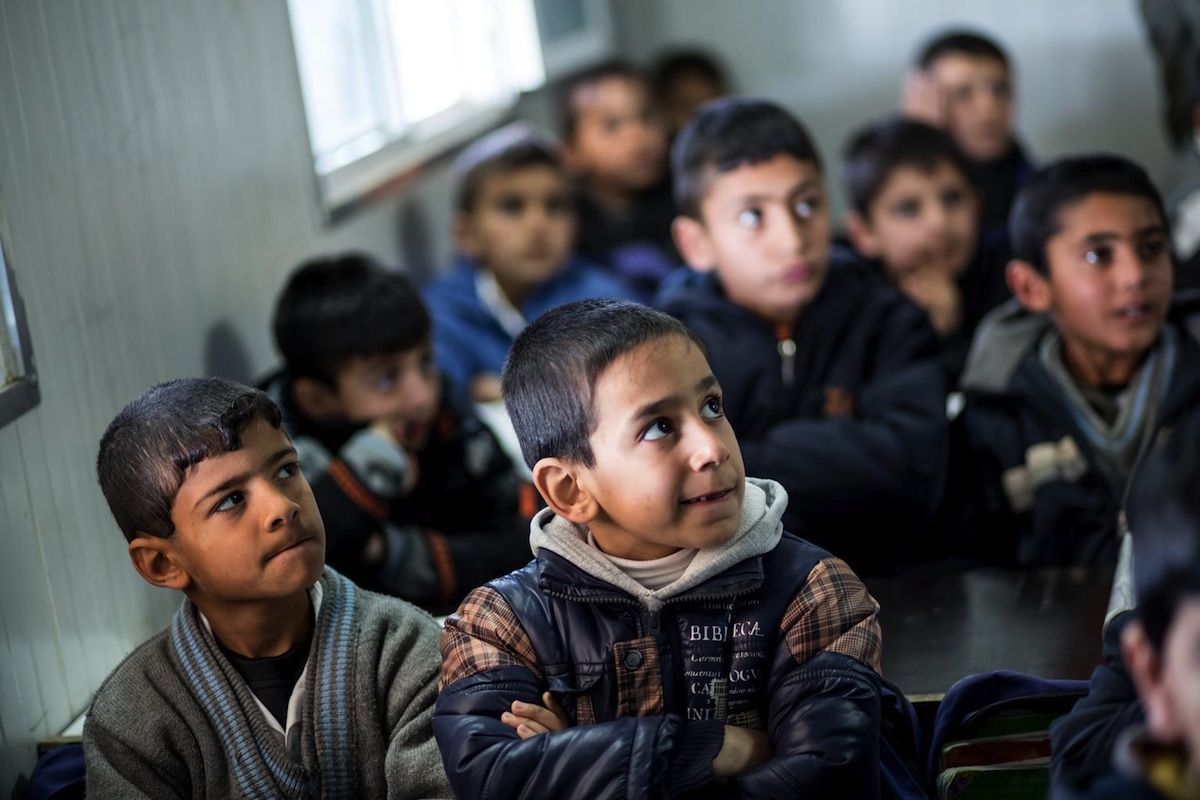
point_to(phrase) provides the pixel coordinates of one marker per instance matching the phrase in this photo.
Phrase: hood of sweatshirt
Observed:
(759, 530)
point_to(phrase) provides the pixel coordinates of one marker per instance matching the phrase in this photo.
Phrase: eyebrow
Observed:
(799, 188)
(1103, 237)
(658, 406)
(242, 477)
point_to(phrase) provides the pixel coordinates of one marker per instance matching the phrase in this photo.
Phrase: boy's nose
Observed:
(708, 449)
(280, 509)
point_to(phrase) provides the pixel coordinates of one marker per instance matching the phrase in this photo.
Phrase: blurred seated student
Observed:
(671, 639)
(1183, 200)
(515, 233)
(418, 497)
(277, 677)
(963, 83)
(684, 80)
(616, 145)
(916, 216)
(832, 378)
(1069, 385)
(1156, 754)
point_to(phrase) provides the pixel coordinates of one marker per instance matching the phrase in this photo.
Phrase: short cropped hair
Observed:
(550, 375)
(728, 133)
(336, 308)
(149, 446)
(568, 109)
(961, 42)
(877, 151)
(678, 64)
(1164, 520)
(512, 148)
(1035, 215)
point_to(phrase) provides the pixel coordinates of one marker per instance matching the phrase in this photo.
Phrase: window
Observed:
(18, 381)
(390, 84)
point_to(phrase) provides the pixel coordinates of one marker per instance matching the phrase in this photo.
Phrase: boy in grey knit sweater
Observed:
(277, 677)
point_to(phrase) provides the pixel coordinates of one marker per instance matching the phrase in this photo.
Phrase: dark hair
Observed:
(1164, 521)
(1035, 215)
(728, 133)
(338, 307)
(964, 42)
(678, 64)
(585, 79)
(149, 446)
(878, 150)
(550, 374)
(514, 147)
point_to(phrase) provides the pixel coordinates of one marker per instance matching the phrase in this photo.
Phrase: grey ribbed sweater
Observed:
(175, 720)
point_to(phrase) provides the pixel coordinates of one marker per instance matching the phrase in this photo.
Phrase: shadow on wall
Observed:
(225, 355)
(415, 245)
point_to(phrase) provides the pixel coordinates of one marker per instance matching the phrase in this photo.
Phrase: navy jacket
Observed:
(853, 425)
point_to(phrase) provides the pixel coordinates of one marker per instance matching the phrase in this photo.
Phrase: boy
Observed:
(1156, 756)
(684, 80)
(515, 230)
(616, 146)
(963, 83)
(278, 677)
(1065, 392)
(391, 461)
(832, 378)
(669, 637)
(916, 214)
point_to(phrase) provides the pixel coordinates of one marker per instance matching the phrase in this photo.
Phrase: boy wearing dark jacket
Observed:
(419, 499)
(832, 378)
(670, 637)
(1071, 384)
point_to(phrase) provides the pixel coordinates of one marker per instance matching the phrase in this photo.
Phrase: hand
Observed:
(742, 749)
(530, 719)
(938, 295)
(923, 99)
(412, 471)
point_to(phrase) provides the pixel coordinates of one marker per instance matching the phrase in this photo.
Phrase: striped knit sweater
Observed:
(175, 720)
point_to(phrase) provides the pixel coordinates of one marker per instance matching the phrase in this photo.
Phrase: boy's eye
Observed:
(750, 218)
(1001, 90)
(658, 429)
(907, 208)
(386, 380)
(953, 198)
(288, 470)
(1151, 249)
(230, 501)
(557, 206)
(1099, 256)
(806, 208)
(510, 206)
(610, 125)
(712, 408)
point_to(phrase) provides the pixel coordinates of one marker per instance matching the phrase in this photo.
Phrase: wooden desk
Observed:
(940, 625)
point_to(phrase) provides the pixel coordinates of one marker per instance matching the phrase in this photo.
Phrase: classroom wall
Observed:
(1084, 74)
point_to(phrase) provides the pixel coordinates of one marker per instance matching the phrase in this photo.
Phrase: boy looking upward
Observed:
(670, 636)
(832, 378)
(278, 677)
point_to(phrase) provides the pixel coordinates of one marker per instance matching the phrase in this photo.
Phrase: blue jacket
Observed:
(766, 632)
(853, 423)
(468, 339)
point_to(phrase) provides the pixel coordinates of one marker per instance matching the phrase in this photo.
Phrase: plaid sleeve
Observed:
(484, 634)
(833, 612)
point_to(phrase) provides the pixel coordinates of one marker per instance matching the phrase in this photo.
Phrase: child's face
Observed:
(1169, 682)
(686, 94)
(764, 228)
(619, 139)
(400, 390)
(1109, 285)
(979, 111)
(668, 473)
(522, 226)
(246, 523)
(922, 221)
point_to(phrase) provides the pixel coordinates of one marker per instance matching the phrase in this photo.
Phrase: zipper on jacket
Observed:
(787, 354)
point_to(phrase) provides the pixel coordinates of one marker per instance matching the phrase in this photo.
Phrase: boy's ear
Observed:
(691, 237)
(153, 558)
(1030, 287)
(862, 237)
(464, 235)
(1145, 668)
(315, 399)
(558, 483)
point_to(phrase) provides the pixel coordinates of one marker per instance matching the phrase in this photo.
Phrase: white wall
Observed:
(1084, 74)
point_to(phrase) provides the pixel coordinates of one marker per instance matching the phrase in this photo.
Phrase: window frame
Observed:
(18, 375)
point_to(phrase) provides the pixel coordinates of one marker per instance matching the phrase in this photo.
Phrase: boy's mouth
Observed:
(1134, 312)
(711, 497)
(291, 546)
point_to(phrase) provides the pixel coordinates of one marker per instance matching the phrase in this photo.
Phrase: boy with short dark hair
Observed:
(278, 677)
(515, 232)
(963, 83)
(1067, 388)
(389, 456)
(616, 145)
(832, 378)
(916, 214)
(670, 636)
(684, 80)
